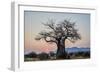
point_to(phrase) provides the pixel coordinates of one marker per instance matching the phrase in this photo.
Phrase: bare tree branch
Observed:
(50, 40)
(50, 24)
(62, 30)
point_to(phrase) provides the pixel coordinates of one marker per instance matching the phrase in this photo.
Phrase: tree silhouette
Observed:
(58, 33)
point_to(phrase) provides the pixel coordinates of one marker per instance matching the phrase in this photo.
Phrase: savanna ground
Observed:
(52, 56)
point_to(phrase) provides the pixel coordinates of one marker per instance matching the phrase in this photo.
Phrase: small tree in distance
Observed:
(58, 33)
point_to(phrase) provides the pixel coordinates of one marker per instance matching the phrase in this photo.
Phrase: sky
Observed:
(33, 25)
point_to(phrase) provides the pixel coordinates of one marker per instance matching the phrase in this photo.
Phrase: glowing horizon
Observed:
(33, 25)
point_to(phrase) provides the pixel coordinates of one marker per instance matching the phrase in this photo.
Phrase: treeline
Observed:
(41, 56)
(52, 56)
(79, 55)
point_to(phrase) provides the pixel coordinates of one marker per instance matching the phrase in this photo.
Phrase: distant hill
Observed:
(69, 50)
(76, 49)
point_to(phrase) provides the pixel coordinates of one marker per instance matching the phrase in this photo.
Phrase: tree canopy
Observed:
(62, 30)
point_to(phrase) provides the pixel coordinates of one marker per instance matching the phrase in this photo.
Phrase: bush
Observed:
(43, 56)
(31, 55)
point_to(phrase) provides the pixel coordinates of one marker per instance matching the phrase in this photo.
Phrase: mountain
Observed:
(76, 49)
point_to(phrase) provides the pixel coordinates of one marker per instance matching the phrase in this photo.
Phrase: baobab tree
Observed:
(59, 33)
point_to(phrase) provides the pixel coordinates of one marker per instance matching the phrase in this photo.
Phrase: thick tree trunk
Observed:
(61, 53)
